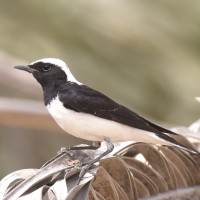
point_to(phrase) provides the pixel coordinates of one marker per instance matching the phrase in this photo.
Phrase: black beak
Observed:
(25, 68)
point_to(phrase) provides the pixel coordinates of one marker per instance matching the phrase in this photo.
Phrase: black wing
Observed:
(81, 98)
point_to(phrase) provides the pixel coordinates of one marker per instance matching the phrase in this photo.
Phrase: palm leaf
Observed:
(132, 171)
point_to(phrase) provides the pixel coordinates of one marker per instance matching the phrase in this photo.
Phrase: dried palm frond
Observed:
(132, 171)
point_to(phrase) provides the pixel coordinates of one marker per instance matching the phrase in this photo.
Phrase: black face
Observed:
(45, 73)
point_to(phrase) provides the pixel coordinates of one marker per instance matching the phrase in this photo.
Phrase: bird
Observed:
(89, 114)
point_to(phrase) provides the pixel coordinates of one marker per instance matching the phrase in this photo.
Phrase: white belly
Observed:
(90, 127)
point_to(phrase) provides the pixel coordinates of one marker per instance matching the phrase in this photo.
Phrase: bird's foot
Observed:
(86, 168)
(67, 151)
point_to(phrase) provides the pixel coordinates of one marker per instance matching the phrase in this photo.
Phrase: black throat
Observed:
(51, 90)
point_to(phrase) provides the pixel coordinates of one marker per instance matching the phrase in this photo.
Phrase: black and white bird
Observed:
(91, 115)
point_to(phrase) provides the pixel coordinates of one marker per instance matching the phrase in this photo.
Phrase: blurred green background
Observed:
(142, 53)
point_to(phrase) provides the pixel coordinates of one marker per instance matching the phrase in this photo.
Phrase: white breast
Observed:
(90, 127)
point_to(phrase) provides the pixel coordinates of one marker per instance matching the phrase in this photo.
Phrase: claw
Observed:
(85, 169)
(67, 151)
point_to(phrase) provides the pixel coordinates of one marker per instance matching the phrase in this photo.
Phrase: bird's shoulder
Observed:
(83, 97)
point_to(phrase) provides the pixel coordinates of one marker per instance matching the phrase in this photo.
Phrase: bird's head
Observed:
(49, 70)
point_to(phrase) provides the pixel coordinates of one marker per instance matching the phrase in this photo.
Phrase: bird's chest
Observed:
(63, 116)
(72, 122)
(79, 124)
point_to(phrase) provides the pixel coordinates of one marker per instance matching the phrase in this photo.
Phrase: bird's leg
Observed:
(85, 169)
(95, 146)
(68, 150)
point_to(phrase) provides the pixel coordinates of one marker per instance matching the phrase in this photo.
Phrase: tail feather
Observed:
(179, 141)
(184, 141)
(174, 138)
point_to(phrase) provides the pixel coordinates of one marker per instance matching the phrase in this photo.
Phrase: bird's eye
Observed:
(46, 68)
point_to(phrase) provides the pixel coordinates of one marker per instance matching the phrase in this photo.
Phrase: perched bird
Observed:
(91, 115)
